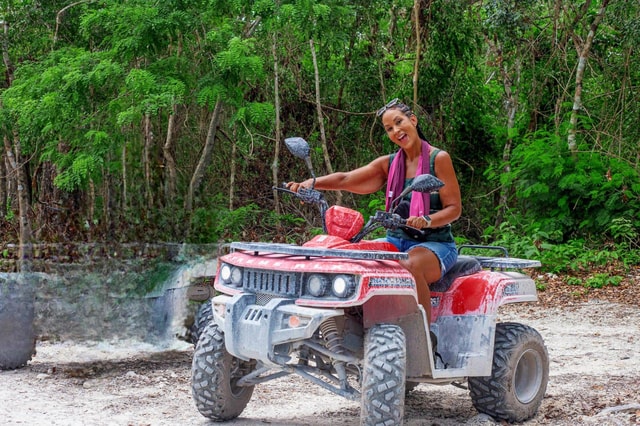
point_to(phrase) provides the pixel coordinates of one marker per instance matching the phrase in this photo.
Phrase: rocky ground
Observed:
(593, 339)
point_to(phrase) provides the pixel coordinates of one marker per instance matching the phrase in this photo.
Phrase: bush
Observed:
(569, 195)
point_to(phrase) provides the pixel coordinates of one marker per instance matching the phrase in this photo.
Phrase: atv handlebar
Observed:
(385, 220)
(308, 196)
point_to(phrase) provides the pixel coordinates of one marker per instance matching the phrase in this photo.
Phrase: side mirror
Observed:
(426, 183)
(300, 148)
(421, 183)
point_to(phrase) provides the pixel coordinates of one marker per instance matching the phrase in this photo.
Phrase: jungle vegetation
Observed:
(147, 121)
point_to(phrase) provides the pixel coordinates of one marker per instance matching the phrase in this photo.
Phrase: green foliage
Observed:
(599, 280)
(210, 225)
(256, 114)
(561, 257)
(77, 174)
(80, 103)
(567, 194)
(603, 280)
(624, 233)
(509, 19)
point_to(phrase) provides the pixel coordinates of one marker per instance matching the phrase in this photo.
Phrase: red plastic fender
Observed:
(475, 294)
(388, 309)
(335, 242)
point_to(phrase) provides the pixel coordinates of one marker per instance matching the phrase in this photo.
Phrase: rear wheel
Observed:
(519, 375)
(383, 376)
(17, 329)
(214, 376)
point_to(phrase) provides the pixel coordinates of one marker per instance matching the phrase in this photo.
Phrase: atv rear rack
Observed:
(500, 263)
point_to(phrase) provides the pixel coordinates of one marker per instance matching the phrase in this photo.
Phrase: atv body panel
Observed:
(255, 316)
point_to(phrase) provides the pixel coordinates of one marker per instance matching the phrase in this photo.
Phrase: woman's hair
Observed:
(403, 108)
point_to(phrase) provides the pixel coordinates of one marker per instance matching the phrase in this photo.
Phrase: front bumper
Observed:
(262, 332)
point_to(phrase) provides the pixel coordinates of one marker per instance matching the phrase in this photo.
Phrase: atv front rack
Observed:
(309, 252)
(489, 262)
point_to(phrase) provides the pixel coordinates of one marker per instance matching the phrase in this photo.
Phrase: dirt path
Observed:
(594, 349)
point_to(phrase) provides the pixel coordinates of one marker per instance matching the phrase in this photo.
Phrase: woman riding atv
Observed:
(433, 251)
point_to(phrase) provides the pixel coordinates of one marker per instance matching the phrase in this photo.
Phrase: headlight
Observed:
(342, 286)
(231, 275)
(236, 276)
(317, 285)
(225, 273)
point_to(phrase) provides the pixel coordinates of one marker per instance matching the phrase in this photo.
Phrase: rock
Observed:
(481, 420)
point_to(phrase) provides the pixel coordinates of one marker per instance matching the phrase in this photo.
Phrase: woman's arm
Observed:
(363, 180)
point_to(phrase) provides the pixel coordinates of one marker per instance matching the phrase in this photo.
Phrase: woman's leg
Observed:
(425, 268)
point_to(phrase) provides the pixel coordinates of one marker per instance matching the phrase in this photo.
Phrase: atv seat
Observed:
(465, 265)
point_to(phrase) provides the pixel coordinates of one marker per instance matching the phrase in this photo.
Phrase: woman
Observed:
(431, 256)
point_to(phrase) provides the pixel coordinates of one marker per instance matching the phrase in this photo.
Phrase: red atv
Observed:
(342, 313)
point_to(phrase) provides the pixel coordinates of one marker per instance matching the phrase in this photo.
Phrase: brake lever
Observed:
(283, 189)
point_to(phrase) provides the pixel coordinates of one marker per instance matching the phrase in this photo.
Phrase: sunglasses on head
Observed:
(391, 104)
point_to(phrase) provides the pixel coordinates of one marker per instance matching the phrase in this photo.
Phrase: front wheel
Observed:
(383, 376)
(519, 375)
(203, 317)
(214, 376)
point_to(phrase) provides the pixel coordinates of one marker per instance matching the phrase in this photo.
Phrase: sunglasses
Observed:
(391, 104)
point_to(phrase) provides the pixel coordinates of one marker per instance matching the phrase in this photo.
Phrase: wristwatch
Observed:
(428, 219)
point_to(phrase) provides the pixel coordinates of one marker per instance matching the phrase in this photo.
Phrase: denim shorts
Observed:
(447, 253)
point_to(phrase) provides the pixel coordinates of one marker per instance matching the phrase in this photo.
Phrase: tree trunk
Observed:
(232, 169)
(583, 55)
(416, 65)
(8, 64)
(4, 176)
(276, 150)
(323, 137)
(205, 157)
(18, 173)
(5, 166)
(146, 160)
(92, 208)
(125, 201)
(107, 208)
(171, 175)
(511, 103)
(61, 13)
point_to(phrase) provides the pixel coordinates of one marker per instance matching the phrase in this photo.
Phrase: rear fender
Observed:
(483, 293)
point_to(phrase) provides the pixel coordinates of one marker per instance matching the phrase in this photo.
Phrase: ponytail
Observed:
(420, 134)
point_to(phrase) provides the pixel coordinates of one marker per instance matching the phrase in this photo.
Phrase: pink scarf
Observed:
(420, 202)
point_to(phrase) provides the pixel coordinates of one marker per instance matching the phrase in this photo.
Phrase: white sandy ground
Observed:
(594, 350)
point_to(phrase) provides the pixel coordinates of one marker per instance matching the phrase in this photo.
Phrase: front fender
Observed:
(388, 309)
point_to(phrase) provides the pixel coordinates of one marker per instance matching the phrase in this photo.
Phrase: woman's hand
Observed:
(295, 186)
(418, 222)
